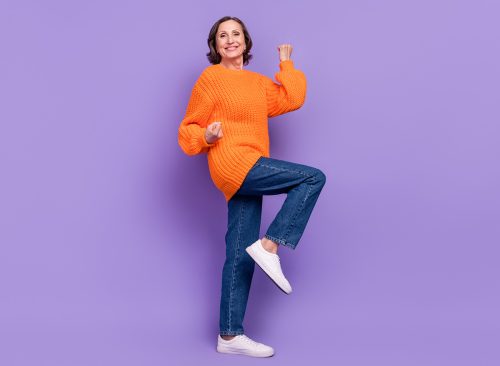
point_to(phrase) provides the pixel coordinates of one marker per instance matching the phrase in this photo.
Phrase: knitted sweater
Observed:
(242, 100)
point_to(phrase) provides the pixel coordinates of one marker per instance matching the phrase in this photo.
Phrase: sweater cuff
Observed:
(286, 65)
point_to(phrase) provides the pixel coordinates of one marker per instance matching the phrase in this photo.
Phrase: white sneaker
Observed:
(270, 264)
(243, 345)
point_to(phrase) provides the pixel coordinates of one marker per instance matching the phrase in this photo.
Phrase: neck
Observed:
(236, 64)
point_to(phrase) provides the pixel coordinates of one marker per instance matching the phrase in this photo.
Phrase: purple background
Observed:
(112, 240)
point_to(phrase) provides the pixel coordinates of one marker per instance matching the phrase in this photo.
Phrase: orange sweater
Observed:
(242, 100)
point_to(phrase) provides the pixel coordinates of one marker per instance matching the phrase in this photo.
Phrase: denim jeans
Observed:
(268, 176)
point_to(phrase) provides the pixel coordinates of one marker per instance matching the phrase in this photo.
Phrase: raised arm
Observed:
(191, 136)
(288, 96)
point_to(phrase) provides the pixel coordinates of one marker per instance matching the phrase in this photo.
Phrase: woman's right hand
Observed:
(213, 132)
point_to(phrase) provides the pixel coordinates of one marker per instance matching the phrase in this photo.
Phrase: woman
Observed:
(227, 118)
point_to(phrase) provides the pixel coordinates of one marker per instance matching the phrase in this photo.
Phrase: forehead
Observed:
(228, 26)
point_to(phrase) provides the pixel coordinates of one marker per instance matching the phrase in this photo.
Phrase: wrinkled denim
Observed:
(268, 176)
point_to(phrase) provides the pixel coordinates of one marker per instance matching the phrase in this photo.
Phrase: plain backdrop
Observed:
(112, 239)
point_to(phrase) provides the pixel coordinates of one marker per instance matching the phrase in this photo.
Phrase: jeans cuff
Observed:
(230, 332)
(281, 241)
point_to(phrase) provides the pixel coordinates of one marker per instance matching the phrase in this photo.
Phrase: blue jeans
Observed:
(268, 176)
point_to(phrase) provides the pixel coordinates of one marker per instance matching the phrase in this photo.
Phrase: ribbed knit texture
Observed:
(242, 100)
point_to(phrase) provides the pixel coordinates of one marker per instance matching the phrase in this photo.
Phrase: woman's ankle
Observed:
(269, 245)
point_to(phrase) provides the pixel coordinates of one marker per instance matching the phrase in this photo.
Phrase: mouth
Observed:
(232, 48)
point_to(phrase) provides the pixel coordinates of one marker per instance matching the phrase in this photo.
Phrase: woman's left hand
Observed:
(285, 51)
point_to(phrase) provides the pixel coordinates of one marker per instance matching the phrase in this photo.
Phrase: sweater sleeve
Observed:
(288, 96)
(191, 135)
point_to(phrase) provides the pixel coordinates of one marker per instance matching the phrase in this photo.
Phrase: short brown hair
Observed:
(213, 56)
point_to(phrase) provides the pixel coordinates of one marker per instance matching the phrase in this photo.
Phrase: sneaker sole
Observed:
(249, 250)
(234, 352)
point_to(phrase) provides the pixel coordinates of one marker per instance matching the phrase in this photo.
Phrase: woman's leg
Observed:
(301, 183)
(243, 227)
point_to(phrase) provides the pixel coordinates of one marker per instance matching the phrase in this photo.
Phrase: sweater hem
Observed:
(230, 194)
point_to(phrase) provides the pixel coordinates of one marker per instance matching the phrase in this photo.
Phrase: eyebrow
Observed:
(237, 30)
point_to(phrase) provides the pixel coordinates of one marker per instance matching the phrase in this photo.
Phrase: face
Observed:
(230, 40)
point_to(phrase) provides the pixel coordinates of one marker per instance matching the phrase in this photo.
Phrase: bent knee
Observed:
(319, 177)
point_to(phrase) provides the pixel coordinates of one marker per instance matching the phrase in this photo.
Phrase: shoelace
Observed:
(276, 257)
(249, 340)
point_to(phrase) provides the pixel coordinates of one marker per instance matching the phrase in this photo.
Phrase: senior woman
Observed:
(227, 118)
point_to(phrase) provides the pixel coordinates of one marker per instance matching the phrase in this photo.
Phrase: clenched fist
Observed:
(213, 132)
(285, 51)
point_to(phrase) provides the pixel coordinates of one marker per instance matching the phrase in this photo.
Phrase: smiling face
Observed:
(230, 40)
